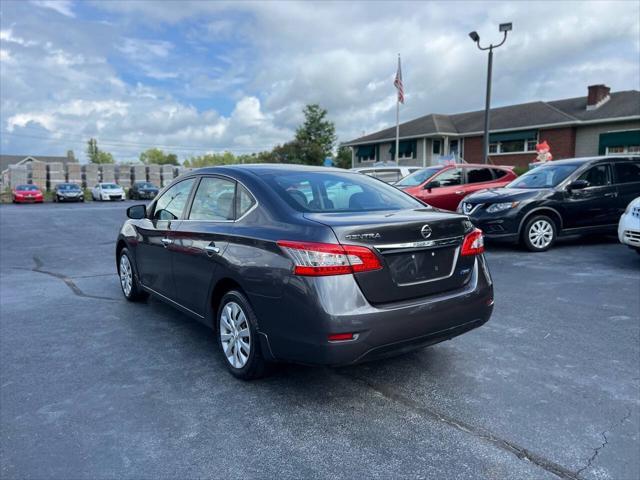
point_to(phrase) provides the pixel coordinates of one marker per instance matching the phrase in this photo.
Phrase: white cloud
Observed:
(61, 6)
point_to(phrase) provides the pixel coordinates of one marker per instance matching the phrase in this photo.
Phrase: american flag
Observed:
(398, 83)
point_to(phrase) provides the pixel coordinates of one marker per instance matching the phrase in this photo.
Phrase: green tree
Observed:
(209, 159)
(157, 156)
(343, 158)
(95, 155)
(316, 137)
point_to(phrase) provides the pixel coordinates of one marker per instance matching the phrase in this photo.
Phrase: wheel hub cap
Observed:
(126, 275)
(541, 234)
(235, 335)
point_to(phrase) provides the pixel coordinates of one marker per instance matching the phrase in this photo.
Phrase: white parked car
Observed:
(107, 191)
(629, 226)
(387, 174)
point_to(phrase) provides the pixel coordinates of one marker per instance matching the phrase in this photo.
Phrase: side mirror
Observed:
(577, 185)
(432, 184)
(137, 212)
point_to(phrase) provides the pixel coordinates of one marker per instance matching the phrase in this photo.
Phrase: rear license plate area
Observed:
(420, 266)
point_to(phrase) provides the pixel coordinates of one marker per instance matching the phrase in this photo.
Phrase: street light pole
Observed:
(504, 27)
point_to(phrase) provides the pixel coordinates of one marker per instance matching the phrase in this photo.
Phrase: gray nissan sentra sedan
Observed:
(305, 264)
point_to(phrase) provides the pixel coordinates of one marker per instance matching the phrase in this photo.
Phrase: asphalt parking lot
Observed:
(95, 387)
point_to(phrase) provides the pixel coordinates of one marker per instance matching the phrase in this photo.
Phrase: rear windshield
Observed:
(337, 192)
(29, 188)
(547, 176)
(68, 186)
(419, 177)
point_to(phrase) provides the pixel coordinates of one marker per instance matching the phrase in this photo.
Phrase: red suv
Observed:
(444, 186)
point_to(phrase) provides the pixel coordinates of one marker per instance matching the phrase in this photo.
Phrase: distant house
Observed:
(6, 160)
(599, 123)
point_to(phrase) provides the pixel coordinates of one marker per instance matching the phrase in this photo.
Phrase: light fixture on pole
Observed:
(504, 28)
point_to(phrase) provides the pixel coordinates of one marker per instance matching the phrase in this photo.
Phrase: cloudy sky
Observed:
(194, 77)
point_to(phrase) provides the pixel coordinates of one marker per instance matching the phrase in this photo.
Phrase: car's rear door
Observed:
(200, 241)
(477, 178)
(627, 181)
(594, 205)
(155, 242)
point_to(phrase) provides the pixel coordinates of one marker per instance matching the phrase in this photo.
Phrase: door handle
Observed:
(459, 192)
(166, 242)
(211, 249)
(611, 194)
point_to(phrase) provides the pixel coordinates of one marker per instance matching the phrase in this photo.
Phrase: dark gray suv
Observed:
(305, 264)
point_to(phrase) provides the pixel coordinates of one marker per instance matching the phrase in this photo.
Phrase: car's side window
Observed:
(245, 201)
(450, 177)
(171, 204)
(627, 172)
(499, 173)
(388, 175)
(597, 176)
(214, 200)
(479, 175)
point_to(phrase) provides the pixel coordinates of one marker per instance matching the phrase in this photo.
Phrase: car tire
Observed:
(539, 233)
(128, 277)
(237, 336)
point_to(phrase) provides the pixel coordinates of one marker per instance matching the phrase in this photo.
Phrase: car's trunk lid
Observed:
(419, 250)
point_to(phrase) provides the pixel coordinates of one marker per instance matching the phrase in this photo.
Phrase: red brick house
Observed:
(600, 123)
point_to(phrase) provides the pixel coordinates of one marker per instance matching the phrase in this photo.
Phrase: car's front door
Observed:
(153, 252)
(594, 205)
(201, 239)
(449, 192)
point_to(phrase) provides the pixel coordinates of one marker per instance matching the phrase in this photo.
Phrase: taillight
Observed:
(473, 243)
(317, 259)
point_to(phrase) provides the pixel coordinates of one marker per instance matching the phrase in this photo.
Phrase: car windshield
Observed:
(110, 186)
(547, 176)
(145, 185)
(68, 186)
(338, 192)
(28, 188)
(419, 177)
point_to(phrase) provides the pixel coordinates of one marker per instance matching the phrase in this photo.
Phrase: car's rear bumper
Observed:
(298, 327)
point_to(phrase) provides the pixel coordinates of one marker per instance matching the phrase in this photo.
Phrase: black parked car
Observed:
(304, 264)
(142, 190)
(68, 192)
(580, 195)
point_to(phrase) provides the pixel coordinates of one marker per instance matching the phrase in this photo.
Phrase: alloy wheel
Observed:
(235, 335)
(541, 234)
(126, 275)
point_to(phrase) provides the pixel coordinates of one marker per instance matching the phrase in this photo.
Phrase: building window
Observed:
(436, 147)
(407, 149)
(623, 149)
(366, 153)
(513, 142)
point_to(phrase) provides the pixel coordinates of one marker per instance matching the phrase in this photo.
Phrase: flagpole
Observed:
(397, 120)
